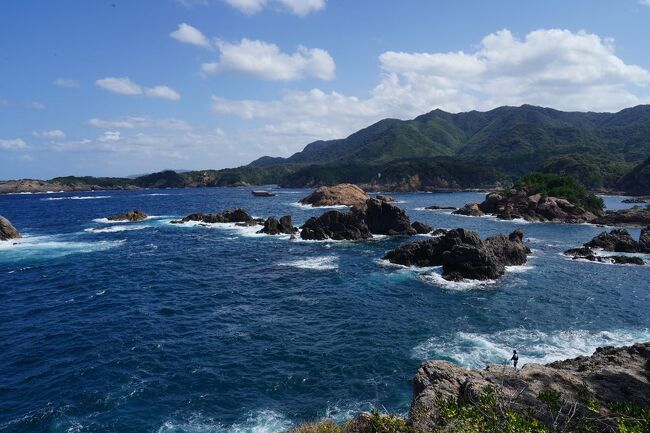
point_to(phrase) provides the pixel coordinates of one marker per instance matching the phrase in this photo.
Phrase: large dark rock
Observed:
(421, 228)
(384, 218)
(436, 207)
(132, 216)
(518, 204)
(230, 216)
(463, 254)
(644, 240)
(586, 253)
(274, 227)
(618, 240)
(7, 230)
(586, 383)
(337, 226)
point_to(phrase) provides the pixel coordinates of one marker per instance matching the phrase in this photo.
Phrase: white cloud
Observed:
(190, 35)
(124, 86)
(162, 92)
(55, 134)
(266, 61)
(109, 136)
(645, 2)
(140, 122)
(21, 104)
(556, 68)
(13, 144)
(296, 7)
(64, 82)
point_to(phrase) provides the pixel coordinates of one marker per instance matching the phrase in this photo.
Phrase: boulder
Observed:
(421, 228)
(386, 219)
(463, 254)
(470, 209)
(274, 227)
(132, 216)
(587, 383)
(7, 230)
(344, 194)
(230, 216)
(337, 226)
(618, 240)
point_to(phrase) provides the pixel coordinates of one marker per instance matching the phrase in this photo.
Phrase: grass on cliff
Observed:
(553, 185)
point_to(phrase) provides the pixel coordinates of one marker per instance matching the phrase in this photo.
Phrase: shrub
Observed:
(552, 185)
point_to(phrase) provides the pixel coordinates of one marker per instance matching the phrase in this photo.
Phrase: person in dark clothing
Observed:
(514, 358)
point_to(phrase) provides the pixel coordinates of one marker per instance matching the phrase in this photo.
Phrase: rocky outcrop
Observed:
(644, 239)
(636, 200)
(518, 204)
(421, 228)
(386, 198)
(618, 240)
(230, 216)
(7, 230)
(586, 253)
(336, 225)
(386, 219)
(282, 227)
(588, 384)
(344, 194)
(626, 217)
(132, 216)
(462, 254)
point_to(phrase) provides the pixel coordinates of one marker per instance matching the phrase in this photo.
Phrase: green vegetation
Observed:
(552, 185)
(493, 413)
(591, 171)
(637, 181)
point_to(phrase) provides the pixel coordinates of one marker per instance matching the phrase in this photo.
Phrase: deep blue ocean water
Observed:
(153, 327)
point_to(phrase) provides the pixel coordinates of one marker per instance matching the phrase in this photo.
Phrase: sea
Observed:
(152, 327)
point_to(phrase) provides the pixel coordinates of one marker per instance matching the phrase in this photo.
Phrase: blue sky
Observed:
(117, 87)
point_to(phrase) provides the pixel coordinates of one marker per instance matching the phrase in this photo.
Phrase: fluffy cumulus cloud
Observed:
(296, 7)
(124, 86)
(266, 61)
(556, 68)
(190, 35)
(53, 134)
(13, 144)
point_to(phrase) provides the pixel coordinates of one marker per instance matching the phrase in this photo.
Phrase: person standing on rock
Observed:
(514, 358)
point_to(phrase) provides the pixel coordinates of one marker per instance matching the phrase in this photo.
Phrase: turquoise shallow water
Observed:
(152, 327)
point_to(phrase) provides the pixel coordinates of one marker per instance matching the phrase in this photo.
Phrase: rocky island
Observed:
(130, 216)
(618, 241)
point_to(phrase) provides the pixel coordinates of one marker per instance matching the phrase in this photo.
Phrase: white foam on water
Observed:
(150, 217)
(476, 350)
(245, 231)
(310, 207)
(324, 263)
(115, 229)
(76, 197)
(518, 269)
(153, 194)
(436, 279)
(265, 421)
(424, 209)
(50, 246)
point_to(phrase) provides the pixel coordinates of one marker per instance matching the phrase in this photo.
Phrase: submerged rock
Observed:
(589, 384)
(7, 230)
(436, 207)
(132, 216)
(386, 219)
(336, 225)
(238, 215)
(345, 194)
(463, 254)
(274, 227)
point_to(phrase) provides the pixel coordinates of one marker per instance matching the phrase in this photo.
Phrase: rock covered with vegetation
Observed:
(344, 194)
(7, 230)
(131, 216)
(463, 254)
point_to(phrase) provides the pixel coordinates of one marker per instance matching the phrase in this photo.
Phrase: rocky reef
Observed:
(626, 217)
(272, 226)
(239, 216)
(463, 255)
(516, 204)
(132, 216)
(7, 230)
(618, 241)
(344, 194)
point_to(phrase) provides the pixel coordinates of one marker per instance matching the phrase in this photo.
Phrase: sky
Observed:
(127, 87)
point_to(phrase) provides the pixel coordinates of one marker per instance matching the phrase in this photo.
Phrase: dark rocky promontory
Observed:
(132, 216)
(462, 254)
(7, 230)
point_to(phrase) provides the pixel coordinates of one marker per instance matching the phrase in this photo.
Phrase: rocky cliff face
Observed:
(586, 385)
